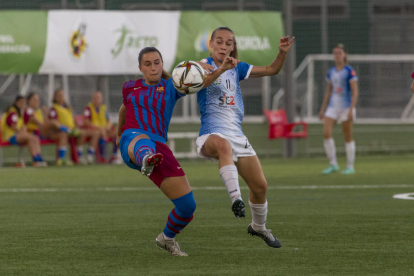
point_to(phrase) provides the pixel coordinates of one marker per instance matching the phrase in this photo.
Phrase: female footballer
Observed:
(221, 136)
(144, 118)
(339, 106)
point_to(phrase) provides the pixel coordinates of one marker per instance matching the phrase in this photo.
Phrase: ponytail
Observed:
(165, 75)
(234, 54)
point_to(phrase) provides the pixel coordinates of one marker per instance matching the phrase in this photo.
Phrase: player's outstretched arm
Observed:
(121, 123)
(277, 64)
(228, 63)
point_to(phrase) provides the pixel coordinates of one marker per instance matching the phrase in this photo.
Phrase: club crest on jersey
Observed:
(217, 81)
(160, 89)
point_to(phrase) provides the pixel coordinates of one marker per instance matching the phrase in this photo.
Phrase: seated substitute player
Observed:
(14, 131)
(225, 142)
(412, 84)
(96, 117)
(40, 125)
(339, 106)
(61, 113)
(144, 118)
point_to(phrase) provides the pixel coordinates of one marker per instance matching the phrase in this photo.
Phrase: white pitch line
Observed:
(409, 196)
(121, 189)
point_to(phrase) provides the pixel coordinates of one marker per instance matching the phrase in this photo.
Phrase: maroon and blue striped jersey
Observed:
(149, 108)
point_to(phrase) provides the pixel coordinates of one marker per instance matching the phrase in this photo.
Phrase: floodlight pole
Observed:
(289, 81)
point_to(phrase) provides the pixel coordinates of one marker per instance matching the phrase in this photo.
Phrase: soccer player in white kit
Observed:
(339, 106)
(221, 136)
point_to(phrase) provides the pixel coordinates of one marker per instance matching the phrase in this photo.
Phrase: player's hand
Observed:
(321, 115)
(118, 139)
(285, 44)
(45, 109)
(229, 63)
(207, 67)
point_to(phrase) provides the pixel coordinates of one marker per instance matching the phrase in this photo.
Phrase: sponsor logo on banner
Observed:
(78, 42)
(8, 45)
(256, 43)
(201, 43)
(127, 39)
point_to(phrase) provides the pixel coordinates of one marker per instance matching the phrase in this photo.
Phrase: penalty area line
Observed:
(122, 189)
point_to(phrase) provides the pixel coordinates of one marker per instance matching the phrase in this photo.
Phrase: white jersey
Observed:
(221, 103)
(341, 96)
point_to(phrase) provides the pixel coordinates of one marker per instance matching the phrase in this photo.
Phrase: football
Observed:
(188, 77)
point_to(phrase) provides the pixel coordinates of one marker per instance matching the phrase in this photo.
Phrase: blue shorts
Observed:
(169, 166)
(13, 140)
(126, 139)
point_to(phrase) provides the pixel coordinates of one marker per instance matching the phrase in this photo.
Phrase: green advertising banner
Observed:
(22, 41)
(257, 34)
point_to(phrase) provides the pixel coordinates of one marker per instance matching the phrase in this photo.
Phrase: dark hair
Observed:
(54, 96)
(165, 75)
(18, 98)
(234, 53)
(342, 46)
(30, 95)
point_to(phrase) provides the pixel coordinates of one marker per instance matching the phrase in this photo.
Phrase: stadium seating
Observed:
(279, 128)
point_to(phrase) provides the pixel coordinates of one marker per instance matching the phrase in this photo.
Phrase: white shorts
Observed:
(340, 115)
(240, 145)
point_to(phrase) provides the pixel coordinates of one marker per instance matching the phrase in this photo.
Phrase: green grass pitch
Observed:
(62, 221)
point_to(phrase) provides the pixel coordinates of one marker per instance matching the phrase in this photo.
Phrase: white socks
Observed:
(259, 215)
(329, 145)
(230, 177)
(350, 154)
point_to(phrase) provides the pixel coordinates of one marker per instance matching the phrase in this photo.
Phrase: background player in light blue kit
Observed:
(221, 136)
(339, 106)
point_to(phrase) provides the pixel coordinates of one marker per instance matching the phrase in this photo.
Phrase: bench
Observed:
(20, 156)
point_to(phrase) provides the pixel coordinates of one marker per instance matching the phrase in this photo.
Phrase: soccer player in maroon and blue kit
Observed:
(144, 118)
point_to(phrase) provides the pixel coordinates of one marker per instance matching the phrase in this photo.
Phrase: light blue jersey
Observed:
(341, 95)
(221, 103)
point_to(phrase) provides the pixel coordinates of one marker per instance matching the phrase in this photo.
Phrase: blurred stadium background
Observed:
(379, 36)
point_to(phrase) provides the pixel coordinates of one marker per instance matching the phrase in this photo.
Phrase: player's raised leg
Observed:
(142, 151)
(251, 171)
(219, 148)
(329, 145)
(349, 147)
